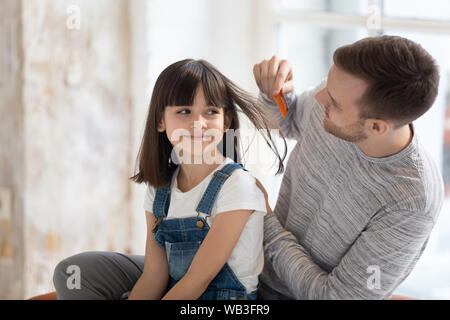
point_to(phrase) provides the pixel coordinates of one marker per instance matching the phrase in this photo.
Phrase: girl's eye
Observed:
(187, 111)
(213, 111)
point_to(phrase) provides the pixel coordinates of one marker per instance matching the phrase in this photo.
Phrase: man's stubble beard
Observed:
(351, 133)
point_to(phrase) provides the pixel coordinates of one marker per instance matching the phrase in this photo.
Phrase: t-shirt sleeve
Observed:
(239, 192)
(149, 198)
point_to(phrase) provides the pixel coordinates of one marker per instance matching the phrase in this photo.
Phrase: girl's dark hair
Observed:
(176, 86)
(403, 78)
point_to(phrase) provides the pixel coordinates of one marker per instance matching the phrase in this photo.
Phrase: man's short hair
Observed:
(402, 77)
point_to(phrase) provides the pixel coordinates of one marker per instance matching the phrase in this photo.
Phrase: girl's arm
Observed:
(153, 281)
(212, 255)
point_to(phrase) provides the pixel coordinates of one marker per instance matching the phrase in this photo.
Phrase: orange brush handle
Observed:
(281, 104)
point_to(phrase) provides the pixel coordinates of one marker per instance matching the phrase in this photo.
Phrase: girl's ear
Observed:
(227, 120)
(162, 126)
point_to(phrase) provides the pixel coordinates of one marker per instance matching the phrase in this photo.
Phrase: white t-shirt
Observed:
(239, 192)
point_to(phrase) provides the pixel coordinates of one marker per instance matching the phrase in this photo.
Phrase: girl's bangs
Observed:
(214, 89)
(182, 91)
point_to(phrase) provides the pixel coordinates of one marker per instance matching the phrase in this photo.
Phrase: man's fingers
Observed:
(287, 66)
(261, 187)
(273, 67)
(273, 76)
(266, 197)
(284, 74)
(270, 71)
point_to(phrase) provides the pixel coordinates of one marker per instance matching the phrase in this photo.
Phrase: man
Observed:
(360, 194)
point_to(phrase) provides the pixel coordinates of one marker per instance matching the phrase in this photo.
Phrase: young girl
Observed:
(204, 211)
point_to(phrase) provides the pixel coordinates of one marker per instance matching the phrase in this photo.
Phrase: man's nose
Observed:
(321, 98)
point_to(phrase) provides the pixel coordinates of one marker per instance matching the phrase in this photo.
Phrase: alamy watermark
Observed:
(73, 21)
(373, 21)
(74, 280)
(200, 146)
(374, 280)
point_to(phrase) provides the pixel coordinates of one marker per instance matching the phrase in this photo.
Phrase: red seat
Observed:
(52, 296)
(47, 296)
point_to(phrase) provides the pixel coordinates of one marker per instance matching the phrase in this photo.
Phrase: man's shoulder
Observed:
(415, 182)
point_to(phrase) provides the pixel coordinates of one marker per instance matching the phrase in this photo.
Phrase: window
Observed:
(307, 33)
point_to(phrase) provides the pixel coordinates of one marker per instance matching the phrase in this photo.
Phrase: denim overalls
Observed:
(182, 238)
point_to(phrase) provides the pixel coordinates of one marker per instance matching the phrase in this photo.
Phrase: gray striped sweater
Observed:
(345, 225)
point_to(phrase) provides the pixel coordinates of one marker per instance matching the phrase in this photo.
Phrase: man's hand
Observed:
(274, 76)
(260, 186)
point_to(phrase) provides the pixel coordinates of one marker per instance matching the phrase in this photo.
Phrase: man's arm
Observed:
(379, 260)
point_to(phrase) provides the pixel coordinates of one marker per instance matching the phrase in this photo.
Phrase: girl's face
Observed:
(196, 129)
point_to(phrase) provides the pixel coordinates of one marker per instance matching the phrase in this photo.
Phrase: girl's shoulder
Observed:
(239, 175)
(240, 181)
(240, 192)
(242, 176)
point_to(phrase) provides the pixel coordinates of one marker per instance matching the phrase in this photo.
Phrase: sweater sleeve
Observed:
(371, 269)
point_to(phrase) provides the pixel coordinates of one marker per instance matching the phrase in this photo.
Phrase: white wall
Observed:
(165, 31)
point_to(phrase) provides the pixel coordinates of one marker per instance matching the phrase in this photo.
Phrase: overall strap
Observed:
(162, 199)
(161, 202)
(209, 197)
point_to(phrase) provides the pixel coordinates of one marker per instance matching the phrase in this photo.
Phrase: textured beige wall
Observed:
(73, 105)
(65, 136)
(12, 149)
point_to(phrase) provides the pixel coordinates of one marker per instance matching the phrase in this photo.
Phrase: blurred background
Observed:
(76, 77)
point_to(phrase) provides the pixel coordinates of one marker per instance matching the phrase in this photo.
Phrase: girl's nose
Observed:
(199, 122)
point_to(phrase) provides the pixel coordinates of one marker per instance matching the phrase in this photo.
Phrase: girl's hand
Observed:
(261, 187)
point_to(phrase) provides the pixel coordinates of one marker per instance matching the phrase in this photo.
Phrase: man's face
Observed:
(339, 98)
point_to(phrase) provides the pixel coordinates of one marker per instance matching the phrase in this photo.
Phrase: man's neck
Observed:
(385, 146)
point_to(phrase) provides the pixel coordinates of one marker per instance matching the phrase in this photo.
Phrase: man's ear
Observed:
(377, 127)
